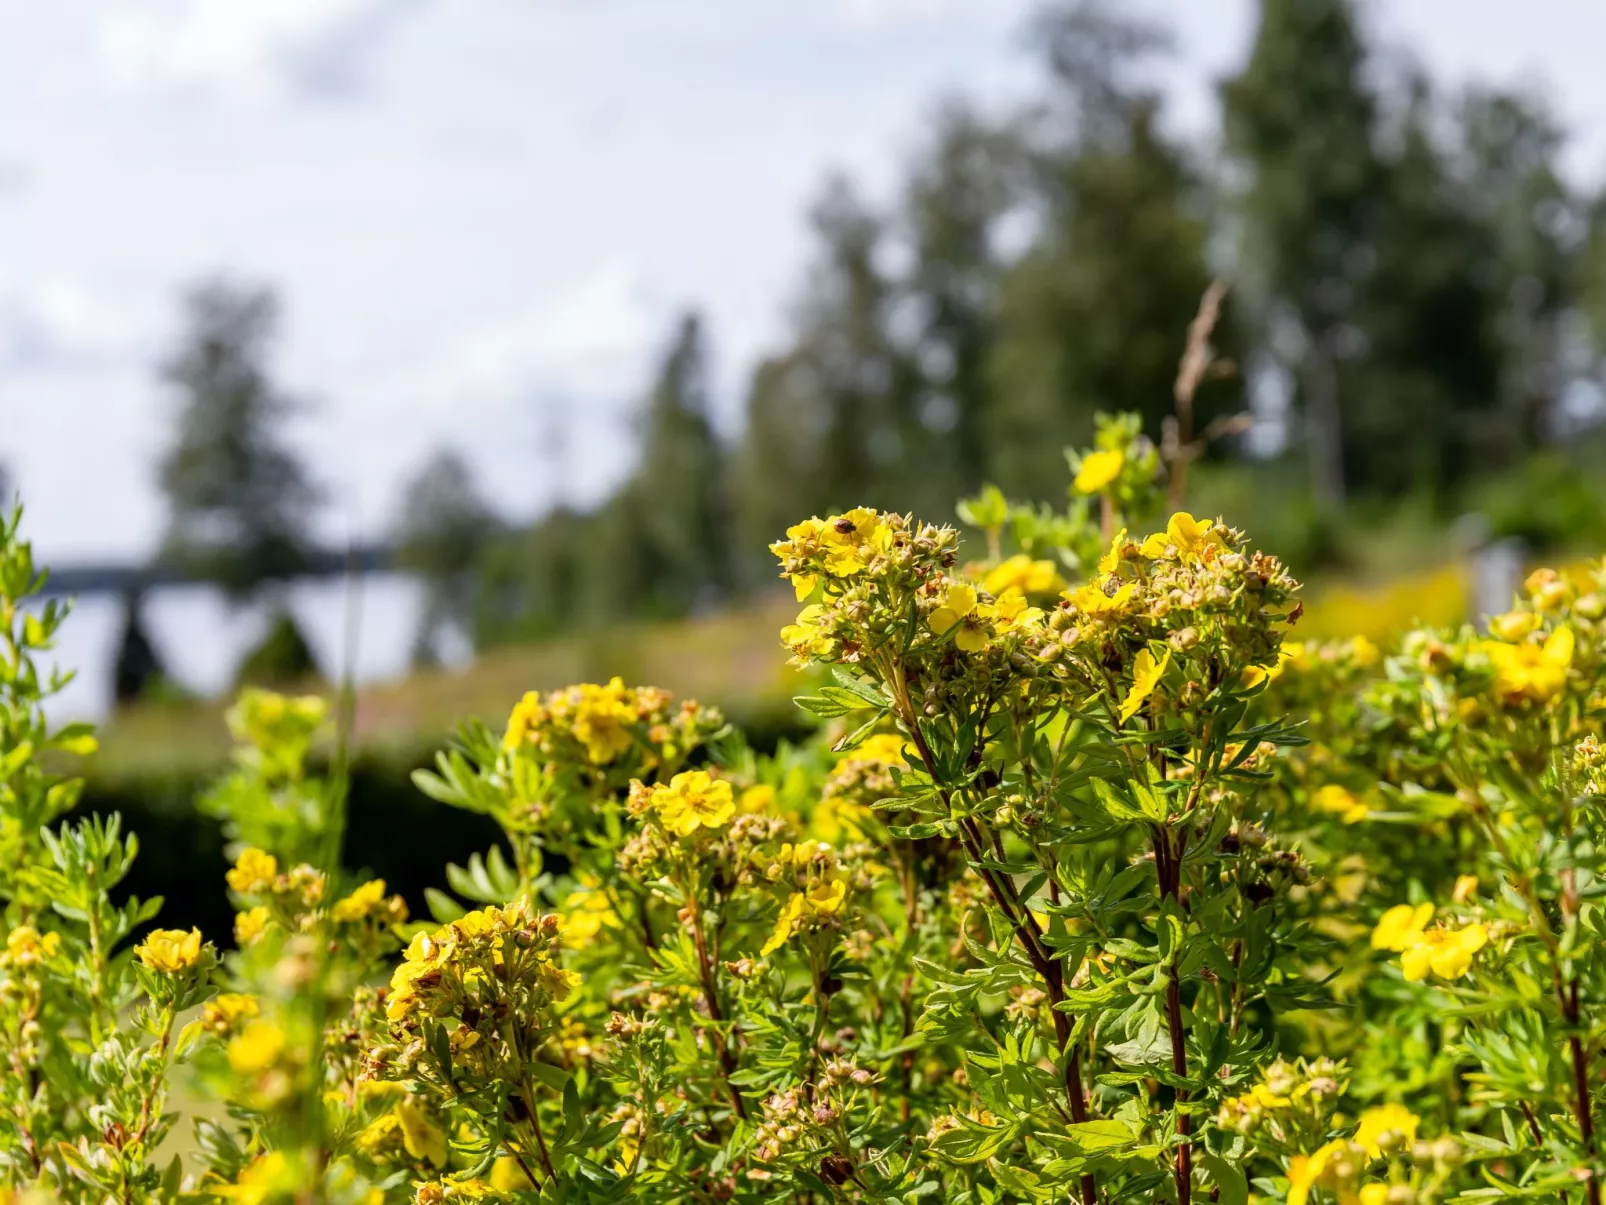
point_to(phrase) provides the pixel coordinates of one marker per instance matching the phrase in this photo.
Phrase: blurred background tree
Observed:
(137, 673)
(441, 533)
(1300, 123)
(681, 483)
(240, 501)
(1092, 316)
(1413, 283)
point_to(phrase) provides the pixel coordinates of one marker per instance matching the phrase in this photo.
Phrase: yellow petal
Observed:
(1099, 470)
(971, 639)
(1111, 560)
(961, 598)
(1559, 648)
(1400, 927)
(1416, 962)
(1146, 675)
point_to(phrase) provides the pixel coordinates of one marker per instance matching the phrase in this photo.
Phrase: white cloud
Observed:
(874, 13)
(63, 324)
(591, 342)
(242, 49)
(538, 396)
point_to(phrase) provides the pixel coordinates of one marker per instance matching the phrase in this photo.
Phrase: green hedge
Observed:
(392, 831)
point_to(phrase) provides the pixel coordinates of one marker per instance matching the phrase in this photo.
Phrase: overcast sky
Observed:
(481, 213)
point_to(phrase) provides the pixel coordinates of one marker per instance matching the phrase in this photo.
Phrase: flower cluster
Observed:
(604, 726)
(801, 1126)
(1289, 1100)
(818, 891)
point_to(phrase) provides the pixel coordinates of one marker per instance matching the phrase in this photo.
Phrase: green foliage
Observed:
(86, 1031)
(1546, 501)
(1095, 885)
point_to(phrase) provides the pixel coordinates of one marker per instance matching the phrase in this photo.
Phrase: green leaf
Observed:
(1096, 1137)
(1231, 1184)
(822, 706)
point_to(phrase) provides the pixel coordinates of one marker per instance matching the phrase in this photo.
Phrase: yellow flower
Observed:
(1548, 589)
(1401, 927)
(508, 1177)
(807, 532)
(558, 981)
(526, 716)
(1529, 671)
(1364, 651)
(755, 799)
(1304, 1171)
(1340, 802)
(694, 799)
(1021, 573)
(1111, 560)
(1098, 470)
(170, 951)
(826, 899)
(360, 903)
(806, 638)
(1466, 886)
(823, 899)
(260, 1180)
(587, 913)
(792, 912)
(1010, 611)
(1146, 675)
(224, 1012)
(421, 1136)
(254, 871)
(27, 947)
(250, 925)
(602, 721)
(1289, 651)
(1187, 537)
(1263, 1097)
(1514, 625)
(1447, 953)
(851, 539)
(1387, 1125)
(1091, 600)
(959, 607)
(257, 1048)
(886, 747)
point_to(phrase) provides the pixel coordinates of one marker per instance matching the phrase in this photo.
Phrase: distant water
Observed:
(201, 638)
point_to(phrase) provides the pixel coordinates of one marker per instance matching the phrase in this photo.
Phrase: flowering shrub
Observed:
(1098, 886)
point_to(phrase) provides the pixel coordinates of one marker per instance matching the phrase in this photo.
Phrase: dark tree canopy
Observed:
(239, 499)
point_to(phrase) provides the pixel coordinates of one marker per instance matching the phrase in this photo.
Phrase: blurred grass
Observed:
(733, 659)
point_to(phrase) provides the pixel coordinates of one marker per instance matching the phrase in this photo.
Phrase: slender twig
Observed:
(1168, 863)
(1047, 966)
(727, 1058)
